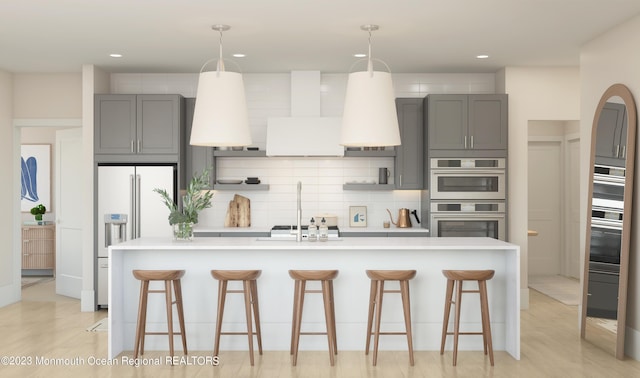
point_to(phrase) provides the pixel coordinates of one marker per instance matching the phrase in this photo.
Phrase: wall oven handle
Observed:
(598, 222)
(467, 171)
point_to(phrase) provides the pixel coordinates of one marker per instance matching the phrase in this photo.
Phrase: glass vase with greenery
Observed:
(196, 198)
(38, 211)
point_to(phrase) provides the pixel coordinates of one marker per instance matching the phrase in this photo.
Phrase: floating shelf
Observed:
(368, 187)
(240, 153)
(371, 153)
(253, 187)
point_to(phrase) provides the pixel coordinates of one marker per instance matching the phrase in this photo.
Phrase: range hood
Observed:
(305, 133)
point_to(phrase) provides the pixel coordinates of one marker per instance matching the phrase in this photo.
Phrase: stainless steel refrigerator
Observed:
(128, 190)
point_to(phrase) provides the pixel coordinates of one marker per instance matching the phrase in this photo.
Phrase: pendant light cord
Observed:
(370, 63)
(220, 61)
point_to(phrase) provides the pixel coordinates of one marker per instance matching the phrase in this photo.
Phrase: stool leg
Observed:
(256, 312)
(167, 294)
(177, 288)
(333, 318)
(326, 297)
(372, 301)
(142, 318)
(456, 331)
(296, 288)
(447, 310)
(298, 318)
(379, 292)
(404, 289)
(486, 322)
(222, 292)
(247, 309)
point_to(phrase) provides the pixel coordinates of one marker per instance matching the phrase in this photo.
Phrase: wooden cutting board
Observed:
(238, 212)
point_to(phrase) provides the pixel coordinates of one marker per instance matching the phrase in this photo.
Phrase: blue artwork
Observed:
(29, 176)
(35, 176)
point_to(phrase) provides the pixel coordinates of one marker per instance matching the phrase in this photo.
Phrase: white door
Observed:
(545, 214)
(68, 209)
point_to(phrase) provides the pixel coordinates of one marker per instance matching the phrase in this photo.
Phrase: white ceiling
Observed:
(173, 36)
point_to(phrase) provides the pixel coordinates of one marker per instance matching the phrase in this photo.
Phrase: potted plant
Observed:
(37, 211)
(196, 198)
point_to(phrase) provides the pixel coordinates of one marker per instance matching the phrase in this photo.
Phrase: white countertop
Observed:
(205, 243)
(342, 229)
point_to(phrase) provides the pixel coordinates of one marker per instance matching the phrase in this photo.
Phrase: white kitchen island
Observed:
(351, 256)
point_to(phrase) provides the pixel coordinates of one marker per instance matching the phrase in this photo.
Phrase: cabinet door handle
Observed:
(138, 146)
(617, 151)
(465, 142)
(623, 154)
(132, 150)
(401, 181)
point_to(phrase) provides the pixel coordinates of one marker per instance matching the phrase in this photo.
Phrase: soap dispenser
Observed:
(323, 231)
(313, 231)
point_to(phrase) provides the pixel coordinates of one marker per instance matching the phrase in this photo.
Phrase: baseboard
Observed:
(524, 299)
(632, 343)
(87, 301)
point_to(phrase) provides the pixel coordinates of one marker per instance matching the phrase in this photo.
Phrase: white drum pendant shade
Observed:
(220, 117)
(370, 118)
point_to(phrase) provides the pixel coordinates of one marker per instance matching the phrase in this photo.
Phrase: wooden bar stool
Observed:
(326, 278)
(250, 291)
(455, 280)
(169, 277)
(378, 277)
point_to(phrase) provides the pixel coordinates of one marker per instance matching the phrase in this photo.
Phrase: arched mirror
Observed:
(604, 295)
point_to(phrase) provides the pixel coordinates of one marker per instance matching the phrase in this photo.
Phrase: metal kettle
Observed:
(403, 218)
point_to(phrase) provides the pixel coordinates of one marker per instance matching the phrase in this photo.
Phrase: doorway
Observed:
(554, 208)
(64, 139)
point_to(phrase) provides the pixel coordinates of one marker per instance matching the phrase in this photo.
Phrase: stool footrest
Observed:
(237, 333)
(313, 333)
(162, 333)
(466, 333)
(390, 333)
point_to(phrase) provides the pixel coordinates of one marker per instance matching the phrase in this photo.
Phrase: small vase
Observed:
(183, 231)
(38, 217)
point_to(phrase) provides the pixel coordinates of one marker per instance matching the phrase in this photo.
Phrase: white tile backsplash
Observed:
(269, 95)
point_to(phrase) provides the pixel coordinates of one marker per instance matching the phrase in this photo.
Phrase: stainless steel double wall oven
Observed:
(468, 197)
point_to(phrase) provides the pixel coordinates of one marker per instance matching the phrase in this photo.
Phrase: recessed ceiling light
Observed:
(360, 55)
(482, 56)
(115, 55)
(239, 55)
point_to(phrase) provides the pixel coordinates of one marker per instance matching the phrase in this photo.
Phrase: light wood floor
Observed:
(50, 326)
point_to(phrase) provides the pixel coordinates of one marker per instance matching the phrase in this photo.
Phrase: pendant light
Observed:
(220, 117)
(369, 118)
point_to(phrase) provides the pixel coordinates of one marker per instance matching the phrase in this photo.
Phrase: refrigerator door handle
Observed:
(133, 205)
(137, 201)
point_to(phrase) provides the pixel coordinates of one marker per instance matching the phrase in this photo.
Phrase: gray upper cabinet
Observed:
(138, 124)
(467, 125)
(410, 154)
(611, 138)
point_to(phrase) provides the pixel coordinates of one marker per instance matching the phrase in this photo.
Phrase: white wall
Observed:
(9, 229)
(534, 94)
(614, 58)
(47, 95)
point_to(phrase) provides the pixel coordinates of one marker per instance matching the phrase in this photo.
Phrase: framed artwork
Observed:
(357, 216)
(35, 172)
